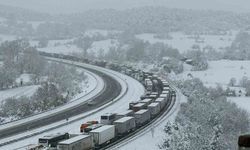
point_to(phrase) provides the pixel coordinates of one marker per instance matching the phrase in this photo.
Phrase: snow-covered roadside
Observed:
(132, 93)
(87, 87)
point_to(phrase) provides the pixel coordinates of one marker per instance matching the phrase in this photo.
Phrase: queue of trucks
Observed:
(113, 126)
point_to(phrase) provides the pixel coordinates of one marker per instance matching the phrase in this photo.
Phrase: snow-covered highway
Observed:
(131, 90)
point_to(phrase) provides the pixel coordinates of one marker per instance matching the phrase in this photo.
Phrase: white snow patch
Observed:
(26, 78)
(94, 32)
(242, 102)
(62, 49)
(4, 37)
(18, 92)
(220, 72)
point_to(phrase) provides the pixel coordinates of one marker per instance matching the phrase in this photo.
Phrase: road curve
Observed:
(131, 91)
(112, 90)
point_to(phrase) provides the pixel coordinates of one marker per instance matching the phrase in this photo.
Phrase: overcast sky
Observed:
(71, 6)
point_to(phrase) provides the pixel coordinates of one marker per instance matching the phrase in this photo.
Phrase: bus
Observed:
(52, 140)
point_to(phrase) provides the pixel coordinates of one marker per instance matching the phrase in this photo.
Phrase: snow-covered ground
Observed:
(61, 49)
(94, 32)
(18, 92)
(184, 42)
(7, 38)
(220, 72)
(62, 46)
(242, 102)
(131, 91)
(25, 78)
(87, 86)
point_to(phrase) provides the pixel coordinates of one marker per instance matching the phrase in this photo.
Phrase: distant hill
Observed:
(161, 19)
(21, 13)
(72, 6)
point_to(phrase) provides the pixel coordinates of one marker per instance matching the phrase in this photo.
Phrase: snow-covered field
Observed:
(184, 42)
(220, 72)
(66, 46)
(61, 49)
(18, 92)
(7, 38)
(242, 102)
(100, 32)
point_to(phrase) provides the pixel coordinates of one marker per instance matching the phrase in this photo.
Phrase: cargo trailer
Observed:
(147, 101)
(154, 109)
(131, 104)
(162, 102)
(139, 106)
(103, 135)
(141, 117)
(80, 142)
(124, 125)
(126, 113)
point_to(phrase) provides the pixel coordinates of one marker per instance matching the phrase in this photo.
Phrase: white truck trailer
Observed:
(125, 113)
(142, 117)
(154, 109)
(80, 142)
(103, 135)
(162, 102)
(165, 96)
(124, 125)
(147, 101)
(139, 106)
